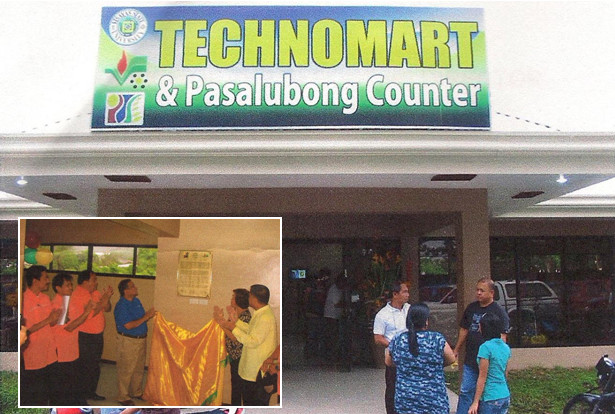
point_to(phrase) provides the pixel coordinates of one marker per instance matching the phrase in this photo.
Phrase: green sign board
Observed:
(219, 67)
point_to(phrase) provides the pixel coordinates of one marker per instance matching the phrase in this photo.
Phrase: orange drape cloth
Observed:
(185, 368)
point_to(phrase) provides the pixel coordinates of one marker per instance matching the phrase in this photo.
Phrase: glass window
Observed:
(70, 258)
(146, 261)
(437, 261)
(115, 260)
(528, 290)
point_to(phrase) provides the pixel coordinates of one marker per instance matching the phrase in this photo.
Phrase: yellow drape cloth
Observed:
(185, 368)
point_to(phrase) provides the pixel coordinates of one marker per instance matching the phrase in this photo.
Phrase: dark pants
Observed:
(67, 374)
(235, 384)
(251, 394)
(389, 393)
(90, 353)
(332, 335)
(37, 386)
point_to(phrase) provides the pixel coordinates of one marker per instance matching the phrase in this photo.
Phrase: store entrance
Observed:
(354, 276)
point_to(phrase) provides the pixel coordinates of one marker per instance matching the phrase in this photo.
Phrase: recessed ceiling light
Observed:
(453, 177)
(528, 194)
(60, 196)
(562, 179)
(21, 181)
(128, 178)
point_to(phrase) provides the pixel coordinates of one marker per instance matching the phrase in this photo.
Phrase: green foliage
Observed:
(540, 390)
(8, 267)
(8, 396)
(146, 261)
(434, 266)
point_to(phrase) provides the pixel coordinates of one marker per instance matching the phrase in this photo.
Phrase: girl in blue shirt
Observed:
(492, 393)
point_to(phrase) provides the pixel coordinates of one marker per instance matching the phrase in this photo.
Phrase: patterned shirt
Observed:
(234, 347)
(420, 386)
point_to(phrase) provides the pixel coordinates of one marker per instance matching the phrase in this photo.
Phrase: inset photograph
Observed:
(150, 312)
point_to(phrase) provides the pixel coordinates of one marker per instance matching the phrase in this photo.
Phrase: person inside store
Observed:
(333, 312)
(314, 298)
(131, 325)
(420, 356)
(470, 336)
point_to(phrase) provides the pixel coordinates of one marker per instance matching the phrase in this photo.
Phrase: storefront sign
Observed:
(204, 67)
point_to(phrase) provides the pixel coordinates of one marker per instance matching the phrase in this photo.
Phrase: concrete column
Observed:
(472, 232)
(410, 259)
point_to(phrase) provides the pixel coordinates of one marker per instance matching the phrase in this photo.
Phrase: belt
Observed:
(132, 336)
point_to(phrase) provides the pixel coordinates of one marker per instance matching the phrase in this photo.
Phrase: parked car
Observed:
(539, 308)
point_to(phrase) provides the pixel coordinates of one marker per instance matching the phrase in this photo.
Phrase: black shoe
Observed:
(96, 397)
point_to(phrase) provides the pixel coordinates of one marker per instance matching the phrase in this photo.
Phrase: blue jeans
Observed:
(494, 406)
(467, 389)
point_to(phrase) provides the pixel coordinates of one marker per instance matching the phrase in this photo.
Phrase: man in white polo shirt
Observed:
(390, 321)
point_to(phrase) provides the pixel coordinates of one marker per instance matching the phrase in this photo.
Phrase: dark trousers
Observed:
(90, 353)
(252, 395)
(236, 396)
(67, 381)
(37, 386)
(332, 336)
(389, 393)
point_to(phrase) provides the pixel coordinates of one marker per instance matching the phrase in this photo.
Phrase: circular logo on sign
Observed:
(127, 27)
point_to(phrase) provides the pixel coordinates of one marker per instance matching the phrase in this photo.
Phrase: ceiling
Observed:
(505, 164)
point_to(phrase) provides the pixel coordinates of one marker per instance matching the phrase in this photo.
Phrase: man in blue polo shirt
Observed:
(130, 321)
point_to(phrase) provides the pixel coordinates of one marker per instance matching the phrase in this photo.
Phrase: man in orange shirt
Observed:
(90, 332)
(67, 340)
(39, 356)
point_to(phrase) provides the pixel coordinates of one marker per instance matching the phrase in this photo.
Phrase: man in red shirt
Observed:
(67, 340)
(91, 331)
(39, 357)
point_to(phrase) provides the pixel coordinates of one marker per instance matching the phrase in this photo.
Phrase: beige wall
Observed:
(244, 252)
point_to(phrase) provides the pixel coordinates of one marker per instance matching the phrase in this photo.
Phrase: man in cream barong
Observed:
(259, 339)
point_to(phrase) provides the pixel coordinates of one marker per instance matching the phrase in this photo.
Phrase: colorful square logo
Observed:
(123, 108)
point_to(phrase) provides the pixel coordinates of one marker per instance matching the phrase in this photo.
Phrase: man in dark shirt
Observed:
(470, 335)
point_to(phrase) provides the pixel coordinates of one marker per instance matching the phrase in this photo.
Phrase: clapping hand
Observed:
(218, 315)
(107, 292)
(53, 317)
(232, 314)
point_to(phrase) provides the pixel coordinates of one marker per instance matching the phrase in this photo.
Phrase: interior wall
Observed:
(244, 252)
(552, 227)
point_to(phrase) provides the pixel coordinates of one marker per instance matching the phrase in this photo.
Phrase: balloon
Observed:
(33, 239)
(30, 255)
(44, 256)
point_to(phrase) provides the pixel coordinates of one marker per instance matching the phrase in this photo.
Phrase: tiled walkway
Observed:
(307, 388)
